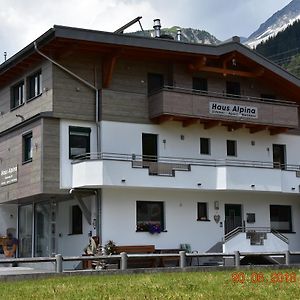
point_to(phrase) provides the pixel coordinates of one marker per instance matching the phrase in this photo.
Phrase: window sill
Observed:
(16, 107)
(75, 233)
(34, 97)
(27, 161)
(204, 220)
(150, 232)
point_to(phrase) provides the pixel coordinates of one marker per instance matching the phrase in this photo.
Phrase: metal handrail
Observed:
(223, 95)
(238, 230)
(182, 160)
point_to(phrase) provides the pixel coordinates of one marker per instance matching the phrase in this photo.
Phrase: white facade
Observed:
(255, 189)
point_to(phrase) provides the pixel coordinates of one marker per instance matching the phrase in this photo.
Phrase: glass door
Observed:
(233, 217)
(25, 231)
(45, 228)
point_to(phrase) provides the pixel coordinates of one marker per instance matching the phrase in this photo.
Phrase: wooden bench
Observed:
(144, 262)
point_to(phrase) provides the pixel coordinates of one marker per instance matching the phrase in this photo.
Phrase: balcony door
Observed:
(155, 82)
(233, 217)
(233, 89)
(279, 161)
(149, 147)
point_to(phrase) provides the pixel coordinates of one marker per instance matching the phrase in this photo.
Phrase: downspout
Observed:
(97, 99)
(97, 94)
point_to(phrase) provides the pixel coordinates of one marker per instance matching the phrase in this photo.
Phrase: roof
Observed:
(108, 39)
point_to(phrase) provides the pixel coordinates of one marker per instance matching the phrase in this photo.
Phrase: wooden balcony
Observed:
(213, 109)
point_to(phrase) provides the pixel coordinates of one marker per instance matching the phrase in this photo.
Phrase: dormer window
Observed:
(17, 95)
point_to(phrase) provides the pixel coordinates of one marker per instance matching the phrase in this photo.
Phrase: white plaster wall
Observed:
(119, 216)
(271, 244)
(71, 244)
(65, 162)
(8, 217)
(127, 138)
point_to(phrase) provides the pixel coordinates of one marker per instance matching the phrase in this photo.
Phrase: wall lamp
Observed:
(293, 188)
(199, 184)
(252, 185)
(123, 180)
(21, 117)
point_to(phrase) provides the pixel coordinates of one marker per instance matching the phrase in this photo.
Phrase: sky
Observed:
(22, 21)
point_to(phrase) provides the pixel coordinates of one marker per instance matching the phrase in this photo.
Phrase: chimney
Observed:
(236, 39)
(157, 27)
(178, 36)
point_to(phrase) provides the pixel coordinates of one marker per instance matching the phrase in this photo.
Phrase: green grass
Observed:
(188, 285)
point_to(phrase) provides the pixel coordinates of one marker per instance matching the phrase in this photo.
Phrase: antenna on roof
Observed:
(5, 55)
(121, 29)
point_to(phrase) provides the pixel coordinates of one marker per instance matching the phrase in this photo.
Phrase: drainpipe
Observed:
(97, 99)
(97, 94)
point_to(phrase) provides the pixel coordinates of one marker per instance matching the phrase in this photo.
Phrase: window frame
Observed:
(281, 208)
(202, 211)
(80, 129)
(201, 81)
(15, 89)
(228, 148)
(74, 227)
(141, 225)
(34, 85)
(27, 153)
(202, 139)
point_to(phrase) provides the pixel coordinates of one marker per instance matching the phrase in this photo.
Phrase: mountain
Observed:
(283, 48)
(189, 35)
(277, 23)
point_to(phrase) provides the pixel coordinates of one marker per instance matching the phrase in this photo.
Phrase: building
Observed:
(147, 141)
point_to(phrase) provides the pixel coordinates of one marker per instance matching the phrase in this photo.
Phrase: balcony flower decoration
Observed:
(149, 227)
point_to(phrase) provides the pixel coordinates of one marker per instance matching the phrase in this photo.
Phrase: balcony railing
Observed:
(185, 104)
(181, 163)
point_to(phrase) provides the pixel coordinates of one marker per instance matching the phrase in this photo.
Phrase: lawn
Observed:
(254, 284)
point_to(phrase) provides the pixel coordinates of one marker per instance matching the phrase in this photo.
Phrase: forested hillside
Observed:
(284, 49)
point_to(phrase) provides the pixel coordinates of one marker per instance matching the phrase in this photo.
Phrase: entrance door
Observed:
(279, 156)
(149, 147)
(233, 216)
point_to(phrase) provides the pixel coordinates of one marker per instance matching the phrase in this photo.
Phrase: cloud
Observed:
(23, 21)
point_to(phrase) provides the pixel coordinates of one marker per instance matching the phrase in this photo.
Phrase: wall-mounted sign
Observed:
(233, 110)
(9, 175)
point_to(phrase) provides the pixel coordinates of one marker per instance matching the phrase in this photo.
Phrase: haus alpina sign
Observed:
(233, 110)
(9, 175)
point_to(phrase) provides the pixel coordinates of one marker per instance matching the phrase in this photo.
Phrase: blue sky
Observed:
(23, 21)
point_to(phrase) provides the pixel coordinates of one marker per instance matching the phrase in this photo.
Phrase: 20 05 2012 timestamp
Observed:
(260, 277)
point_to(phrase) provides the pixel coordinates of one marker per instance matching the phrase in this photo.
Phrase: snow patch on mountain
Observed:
(275, 24)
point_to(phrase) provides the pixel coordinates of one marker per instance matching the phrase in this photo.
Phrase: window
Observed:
(202, 211)
(231, 148)
(150, 216)
(79, 140)
(76, 220)
(200, 84)
(205, 146)
(34, 84)
(155, 82)
(281, 218)
(17, 95)
(233, 88)
(27, 147)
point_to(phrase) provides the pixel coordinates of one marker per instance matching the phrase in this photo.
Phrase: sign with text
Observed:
(233, 110)
(9, 175)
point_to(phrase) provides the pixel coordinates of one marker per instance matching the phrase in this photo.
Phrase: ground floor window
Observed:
(281, 218)
(76, 220)
(202, 214)
(150, 216)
